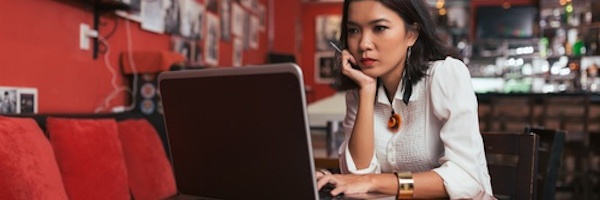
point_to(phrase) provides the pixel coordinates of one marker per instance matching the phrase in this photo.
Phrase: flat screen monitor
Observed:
(497, 22)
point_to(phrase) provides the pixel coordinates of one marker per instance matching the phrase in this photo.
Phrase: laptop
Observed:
(239, 133)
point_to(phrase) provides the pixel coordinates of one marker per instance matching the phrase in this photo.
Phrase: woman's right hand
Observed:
(361, 79)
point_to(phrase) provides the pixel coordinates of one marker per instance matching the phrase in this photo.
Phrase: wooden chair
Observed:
(550, 156)
(512, 164)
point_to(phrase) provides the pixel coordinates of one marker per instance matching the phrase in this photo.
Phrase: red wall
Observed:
(39, 47)
(309, 12)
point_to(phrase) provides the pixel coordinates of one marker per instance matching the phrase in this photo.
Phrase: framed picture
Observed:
(238, 52)
(324, 66)
(172, 16)
(16, 100)
(254, 30)
(225, 20)
(191, 19)
(185, 47)
(246, 30)
(262, 16)
(211, 43)
(237, 20)
(27, 100)
(327, 30)
(8, 100)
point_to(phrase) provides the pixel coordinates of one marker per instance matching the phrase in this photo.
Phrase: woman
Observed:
(412, 123)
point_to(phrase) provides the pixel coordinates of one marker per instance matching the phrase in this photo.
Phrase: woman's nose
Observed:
(365, 42)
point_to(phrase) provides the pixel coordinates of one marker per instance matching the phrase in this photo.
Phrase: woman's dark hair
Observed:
(428, 47)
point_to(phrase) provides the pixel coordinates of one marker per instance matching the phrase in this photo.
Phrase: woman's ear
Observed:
(413, 34)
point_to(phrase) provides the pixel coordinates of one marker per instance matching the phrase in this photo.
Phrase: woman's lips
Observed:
(367, 61)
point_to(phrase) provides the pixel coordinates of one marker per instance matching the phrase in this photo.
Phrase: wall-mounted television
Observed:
(497, 22)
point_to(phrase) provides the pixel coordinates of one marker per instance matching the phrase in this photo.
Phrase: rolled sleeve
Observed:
(463, 166)
(347, 164)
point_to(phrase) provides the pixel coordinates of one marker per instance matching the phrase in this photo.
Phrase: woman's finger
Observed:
(324, 180)
(347, 61)
(339, 189)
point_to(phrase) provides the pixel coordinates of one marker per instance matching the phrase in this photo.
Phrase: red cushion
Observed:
(150, 173)
(88, 152)
(28, 169)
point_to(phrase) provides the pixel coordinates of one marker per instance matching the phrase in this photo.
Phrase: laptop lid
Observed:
(239, 133)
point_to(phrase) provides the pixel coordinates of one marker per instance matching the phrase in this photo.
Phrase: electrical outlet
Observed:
(84, 40)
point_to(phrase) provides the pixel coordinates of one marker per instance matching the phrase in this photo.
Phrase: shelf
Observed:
(595, 25)
(98, 8)
(101, 6)
(109, 5)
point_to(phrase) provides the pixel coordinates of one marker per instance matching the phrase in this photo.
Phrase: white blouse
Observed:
(439, 132)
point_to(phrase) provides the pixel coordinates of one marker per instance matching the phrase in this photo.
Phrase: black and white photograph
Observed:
(211, 43)
(172, 16)
(153, 15)
(262, 16)
(327, 29)
(134, 5)
(238, 52)
(237, 20)
(254, 32)
(246, 30)
(225, 14)
(191, 19)
(27, 101)
(8, 100)
(184, 47)
(197, 56)
(18, 100)
(324, 65)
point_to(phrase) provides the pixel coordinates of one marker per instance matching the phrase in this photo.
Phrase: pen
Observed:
(335, 47)
(338, 50)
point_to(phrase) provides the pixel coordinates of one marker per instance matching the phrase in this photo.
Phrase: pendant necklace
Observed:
(394, 122)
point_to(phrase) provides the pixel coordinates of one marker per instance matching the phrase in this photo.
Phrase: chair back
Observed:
(512, 164)
(552, 143)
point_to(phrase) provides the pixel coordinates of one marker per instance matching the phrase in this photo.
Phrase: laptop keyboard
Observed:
(325, 193)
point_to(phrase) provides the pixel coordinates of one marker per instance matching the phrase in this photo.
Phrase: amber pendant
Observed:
(394, 122)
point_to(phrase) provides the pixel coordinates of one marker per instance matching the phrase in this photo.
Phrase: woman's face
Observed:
(378, 38)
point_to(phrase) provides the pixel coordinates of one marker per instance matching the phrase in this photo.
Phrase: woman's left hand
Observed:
(346, 183)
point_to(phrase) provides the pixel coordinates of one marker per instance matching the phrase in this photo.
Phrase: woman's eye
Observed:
(352, 30)
(380, 28)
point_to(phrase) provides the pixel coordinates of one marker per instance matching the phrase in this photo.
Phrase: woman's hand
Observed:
(361, 79)
(345, 183)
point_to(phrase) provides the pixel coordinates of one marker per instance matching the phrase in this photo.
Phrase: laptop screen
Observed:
(239, 133)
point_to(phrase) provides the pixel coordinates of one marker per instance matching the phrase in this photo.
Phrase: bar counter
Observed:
(574, 112)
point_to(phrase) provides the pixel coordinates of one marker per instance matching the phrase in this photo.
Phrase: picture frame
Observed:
(18, 100)
(28, 100)
(212, 41)
(238, 52)
(324, 67)
(191, 19)
(262, 16)
(225, 13)
(237, 20)
(254, 32)
(327, 29)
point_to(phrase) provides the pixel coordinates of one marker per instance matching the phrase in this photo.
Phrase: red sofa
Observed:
(114, 156)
